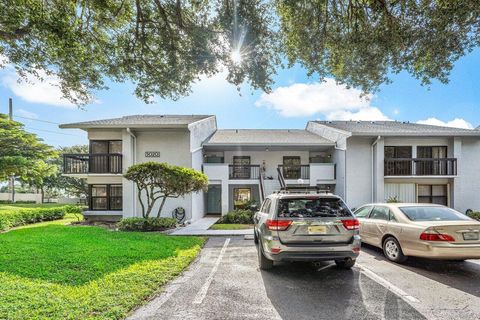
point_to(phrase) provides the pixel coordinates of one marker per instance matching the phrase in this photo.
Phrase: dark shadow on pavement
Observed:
(302, 291)
(464, 276)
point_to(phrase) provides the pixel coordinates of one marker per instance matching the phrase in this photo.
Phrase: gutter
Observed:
(134, 161)
(373, 166)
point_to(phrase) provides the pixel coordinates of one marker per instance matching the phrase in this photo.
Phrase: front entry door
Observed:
(214, 200)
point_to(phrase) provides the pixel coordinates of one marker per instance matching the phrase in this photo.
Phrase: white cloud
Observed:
(334, 101)
(35, 90)
(26, 114)
(455, 123)
(366, 113)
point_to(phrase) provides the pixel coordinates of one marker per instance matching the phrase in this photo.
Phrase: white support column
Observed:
(457, 182)
(129, 193)
(379, 180)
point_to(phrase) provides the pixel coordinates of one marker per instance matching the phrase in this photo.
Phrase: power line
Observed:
(51, 122)
(50, 131)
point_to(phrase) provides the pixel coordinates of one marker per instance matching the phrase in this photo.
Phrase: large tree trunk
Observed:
(161, 206)
(43, 194)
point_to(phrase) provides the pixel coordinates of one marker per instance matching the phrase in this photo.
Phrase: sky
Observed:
(294, 100)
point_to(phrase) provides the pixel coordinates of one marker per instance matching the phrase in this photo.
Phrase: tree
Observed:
(163, 46)
(20, 151)
(37, 174)
(162, 181)
(72, 186)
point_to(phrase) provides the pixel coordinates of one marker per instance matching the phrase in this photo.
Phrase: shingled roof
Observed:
(265, 137)
(396, 128)
(139, 121)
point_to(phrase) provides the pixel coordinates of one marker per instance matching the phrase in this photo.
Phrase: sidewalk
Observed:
(200, 228)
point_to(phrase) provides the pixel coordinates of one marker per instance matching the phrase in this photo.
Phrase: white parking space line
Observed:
(202, 293)
(387, 284)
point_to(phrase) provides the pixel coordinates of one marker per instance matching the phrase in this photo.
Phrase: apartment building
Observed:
(362, 161)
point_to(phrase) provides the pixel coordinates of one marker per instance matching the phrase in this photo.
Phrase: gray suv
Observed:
(306, 227)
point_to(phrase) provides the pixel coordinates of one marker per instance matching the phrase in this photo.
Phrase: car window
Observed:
(363, 212)
(426, 213)
(266, 206)
(312, 207)
(379, 213)
(391, 216)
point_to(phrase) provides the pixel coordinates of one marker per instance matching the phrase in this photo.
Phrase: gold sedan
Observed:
(419, 230)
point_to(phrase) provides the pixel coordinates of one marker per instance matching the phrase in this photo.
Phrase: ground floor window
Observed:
(241, 196)
(436, 193)
(105, 197)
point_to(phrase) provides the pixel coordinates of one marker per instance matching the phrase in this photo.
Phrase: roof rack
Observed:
(302, 190)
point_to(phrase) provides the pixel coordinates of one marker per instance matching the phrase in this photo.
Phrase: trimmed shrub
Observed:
(474, 215)
(146, 224)
(239, 216)
(22, 216)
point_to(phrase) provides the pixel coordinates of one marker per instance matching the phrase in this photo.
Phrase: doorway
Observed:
(214, 200)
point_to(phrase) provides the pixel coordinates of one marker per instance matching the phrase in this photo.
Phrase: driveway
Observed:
(225, 283)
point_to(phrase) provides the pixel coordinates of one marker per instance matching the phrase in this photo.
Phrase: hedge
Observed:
(474, 215)
(146, 224)
(21, 216)
(238, 216)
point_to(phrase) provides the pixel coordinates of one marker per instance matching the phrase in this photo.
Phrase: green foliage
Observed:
(146, 224)
(162, 46)
(474, 215)
(393, 199)
(18, 217)
(66, 272)
(22, 154)
(165, 46)
(239, 216)
(162, 181)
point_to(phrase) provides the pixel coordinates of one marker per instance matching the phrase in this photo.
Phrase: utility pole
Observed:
(12, 177)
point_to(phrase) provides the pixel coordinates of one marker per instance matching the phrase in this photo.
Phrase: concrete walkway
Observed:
(200, 228)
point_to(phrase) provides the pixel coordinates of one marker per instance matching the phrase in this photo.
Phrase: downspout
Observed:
(345, 173)
(134, 161)
(373, 166)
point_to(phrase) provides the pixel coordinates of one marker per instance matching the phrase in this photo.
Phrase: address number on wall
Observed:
(152, 154)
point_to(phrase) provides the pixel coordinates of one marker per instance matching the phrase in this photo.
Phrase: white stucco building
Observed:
(362, 161)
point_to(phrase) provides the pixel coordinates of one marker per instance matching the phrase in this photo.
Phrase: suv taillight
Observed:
(432, 236)
(278, 225)
(351, 224)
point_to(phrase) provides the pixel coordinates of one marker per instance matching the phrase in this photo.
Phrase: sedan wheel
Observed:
(393, 251)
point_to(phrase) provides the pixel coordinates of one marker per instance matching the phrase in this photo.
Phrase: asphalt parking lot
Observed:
(225, 283)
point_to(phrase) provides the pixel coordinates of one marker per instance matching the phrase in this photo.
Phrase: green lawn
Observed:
(10, 206)
(231, 226)
(54, 271)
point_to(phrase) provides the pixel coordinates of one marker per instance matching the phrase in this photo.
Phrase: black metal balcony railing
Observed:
(420, 167)
(295, 171)
(92, 163)
(251, 171)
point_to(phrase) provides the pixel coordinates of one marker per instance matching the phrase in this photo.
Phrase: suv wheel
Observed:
(347, 263)
(263, 262)
(255, 236)
(393, 251)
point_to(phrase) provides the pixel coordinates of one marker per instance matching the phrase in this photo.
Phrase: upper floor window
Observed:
(398, 152)
(105, 146)
(432, 152)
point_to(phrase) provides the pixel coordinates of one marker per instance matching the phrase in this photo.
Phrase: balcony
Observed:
(295, 172)
(92, 163)
(420, 167)
(244, 172)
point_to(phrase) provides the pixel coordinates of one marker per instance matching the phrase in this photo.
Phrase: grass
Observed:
(53, 271)
(231, 226)
(10, 206)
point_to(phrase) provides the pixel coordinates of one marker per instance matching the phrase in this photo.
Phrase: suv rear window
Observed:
(312, 207)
